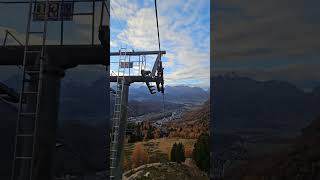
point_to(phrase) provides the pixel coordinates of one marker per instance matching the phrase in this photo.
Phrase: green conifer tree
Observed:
(201, 152)
(173, 153)
(180, 153)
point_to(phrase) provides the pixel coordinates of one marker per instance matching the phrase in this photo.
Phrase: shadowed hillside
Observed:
(300, 160)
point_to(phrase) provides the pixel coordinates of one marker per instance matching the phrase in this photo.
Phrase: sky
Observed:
(184, 33)
(184, 27)
(266, 40)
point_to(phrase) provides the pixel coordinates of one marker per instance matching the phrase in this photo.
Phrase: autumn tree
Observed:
(188, 152)
(150, 133)
(126, 165)
(139, 156)
(137, 135)
(157, 134)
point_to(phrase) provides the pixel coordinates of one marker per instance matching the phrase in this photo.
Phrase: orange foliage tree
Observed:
(139, 156)
(188, 152)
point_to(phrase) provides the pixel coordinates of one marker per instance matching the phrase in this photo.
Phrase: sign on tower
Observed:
(57, 11)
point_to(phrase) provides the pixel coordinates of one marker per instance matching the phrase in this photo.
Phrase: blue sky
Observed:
(184, 32)
(261, 39)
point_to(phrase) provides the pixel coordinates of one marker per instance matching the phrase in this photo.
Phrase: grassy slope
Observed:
(157, 149)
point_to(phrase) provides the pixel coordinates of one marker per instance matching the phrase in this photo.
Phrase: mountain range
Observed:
(176, 94)
(76, 99)
(241, 102)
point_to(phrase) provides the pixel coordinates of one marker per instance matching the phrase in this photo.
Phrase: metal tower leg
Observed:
(122, 129)
(118, 116)
(27, 122)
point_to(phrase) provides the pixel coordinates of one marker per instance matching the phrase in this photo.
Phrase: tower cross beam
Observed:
(132, 79)
(138, 53)
(67, 55)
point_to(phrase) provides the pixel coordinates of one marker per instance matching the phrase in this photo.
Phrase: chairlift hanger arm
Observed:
(155, 66)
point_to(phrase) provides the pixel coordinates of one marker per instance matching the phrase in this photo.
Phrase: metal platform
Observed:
(65, 56)
(134, 79)
(139, 53)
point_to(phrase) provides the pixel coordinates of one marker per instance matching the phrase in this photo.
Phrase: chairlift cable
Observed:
(159, 44)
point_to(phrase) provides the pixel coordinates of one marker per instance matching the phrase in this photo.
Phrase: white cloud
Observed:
(141, 32)
(113, 44)
(181, 33)
(122, 9)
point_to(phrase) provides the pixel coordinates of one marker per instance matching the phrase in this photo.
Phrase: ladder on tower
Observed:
(27, 121)
(116, 119)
